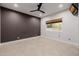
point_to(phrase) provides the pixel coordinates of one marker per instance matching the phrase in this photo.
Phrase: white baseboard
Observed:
(31, 38)
(64, 41)
(20, 40)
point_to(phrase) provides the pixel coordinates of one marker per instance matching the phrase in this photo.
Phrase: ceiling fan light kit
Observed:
(39, 8)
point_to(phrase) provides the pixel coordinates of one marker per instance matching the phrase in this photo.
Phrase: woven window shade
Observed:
(54, 21)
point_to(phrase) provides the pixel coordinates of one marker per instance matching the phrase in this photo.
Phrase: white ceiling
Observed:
(49, 8)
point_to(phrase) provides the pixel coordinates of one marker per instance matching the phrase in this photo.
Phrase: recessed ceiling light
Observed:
(60, 5)
(15, 5)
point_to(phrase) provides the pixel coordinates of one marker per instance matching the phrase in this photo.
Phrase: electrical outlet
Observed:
(18, 37)
(69, 39)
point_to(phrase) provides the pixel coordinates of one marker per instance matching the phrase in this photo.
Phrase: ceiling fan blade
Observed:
(41, 11)
(33, 10)
(39, 6)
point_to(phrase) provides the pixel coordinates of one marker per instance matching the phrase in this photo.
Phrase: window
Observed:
(55, 24)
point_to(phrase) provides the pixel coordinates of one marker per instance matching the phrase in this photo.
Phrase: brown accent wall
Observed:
(15, 25)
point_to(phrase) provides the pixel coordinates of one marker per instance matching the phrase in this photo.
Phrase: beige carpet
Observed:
(38, 47)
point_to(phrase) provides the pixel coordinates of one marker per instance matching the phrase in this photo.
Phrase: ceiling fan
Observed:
(38, 9)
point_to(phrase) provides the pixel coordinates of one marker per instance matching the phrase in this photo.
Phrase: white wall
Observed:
(70, 28)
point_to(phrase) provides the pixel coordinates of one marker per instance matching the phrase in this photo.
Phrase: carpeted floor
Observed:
(38, 47)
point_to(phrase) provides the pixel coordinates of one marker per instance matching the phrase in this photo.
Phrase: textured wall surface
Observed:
(70, 27)
(17, 25)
